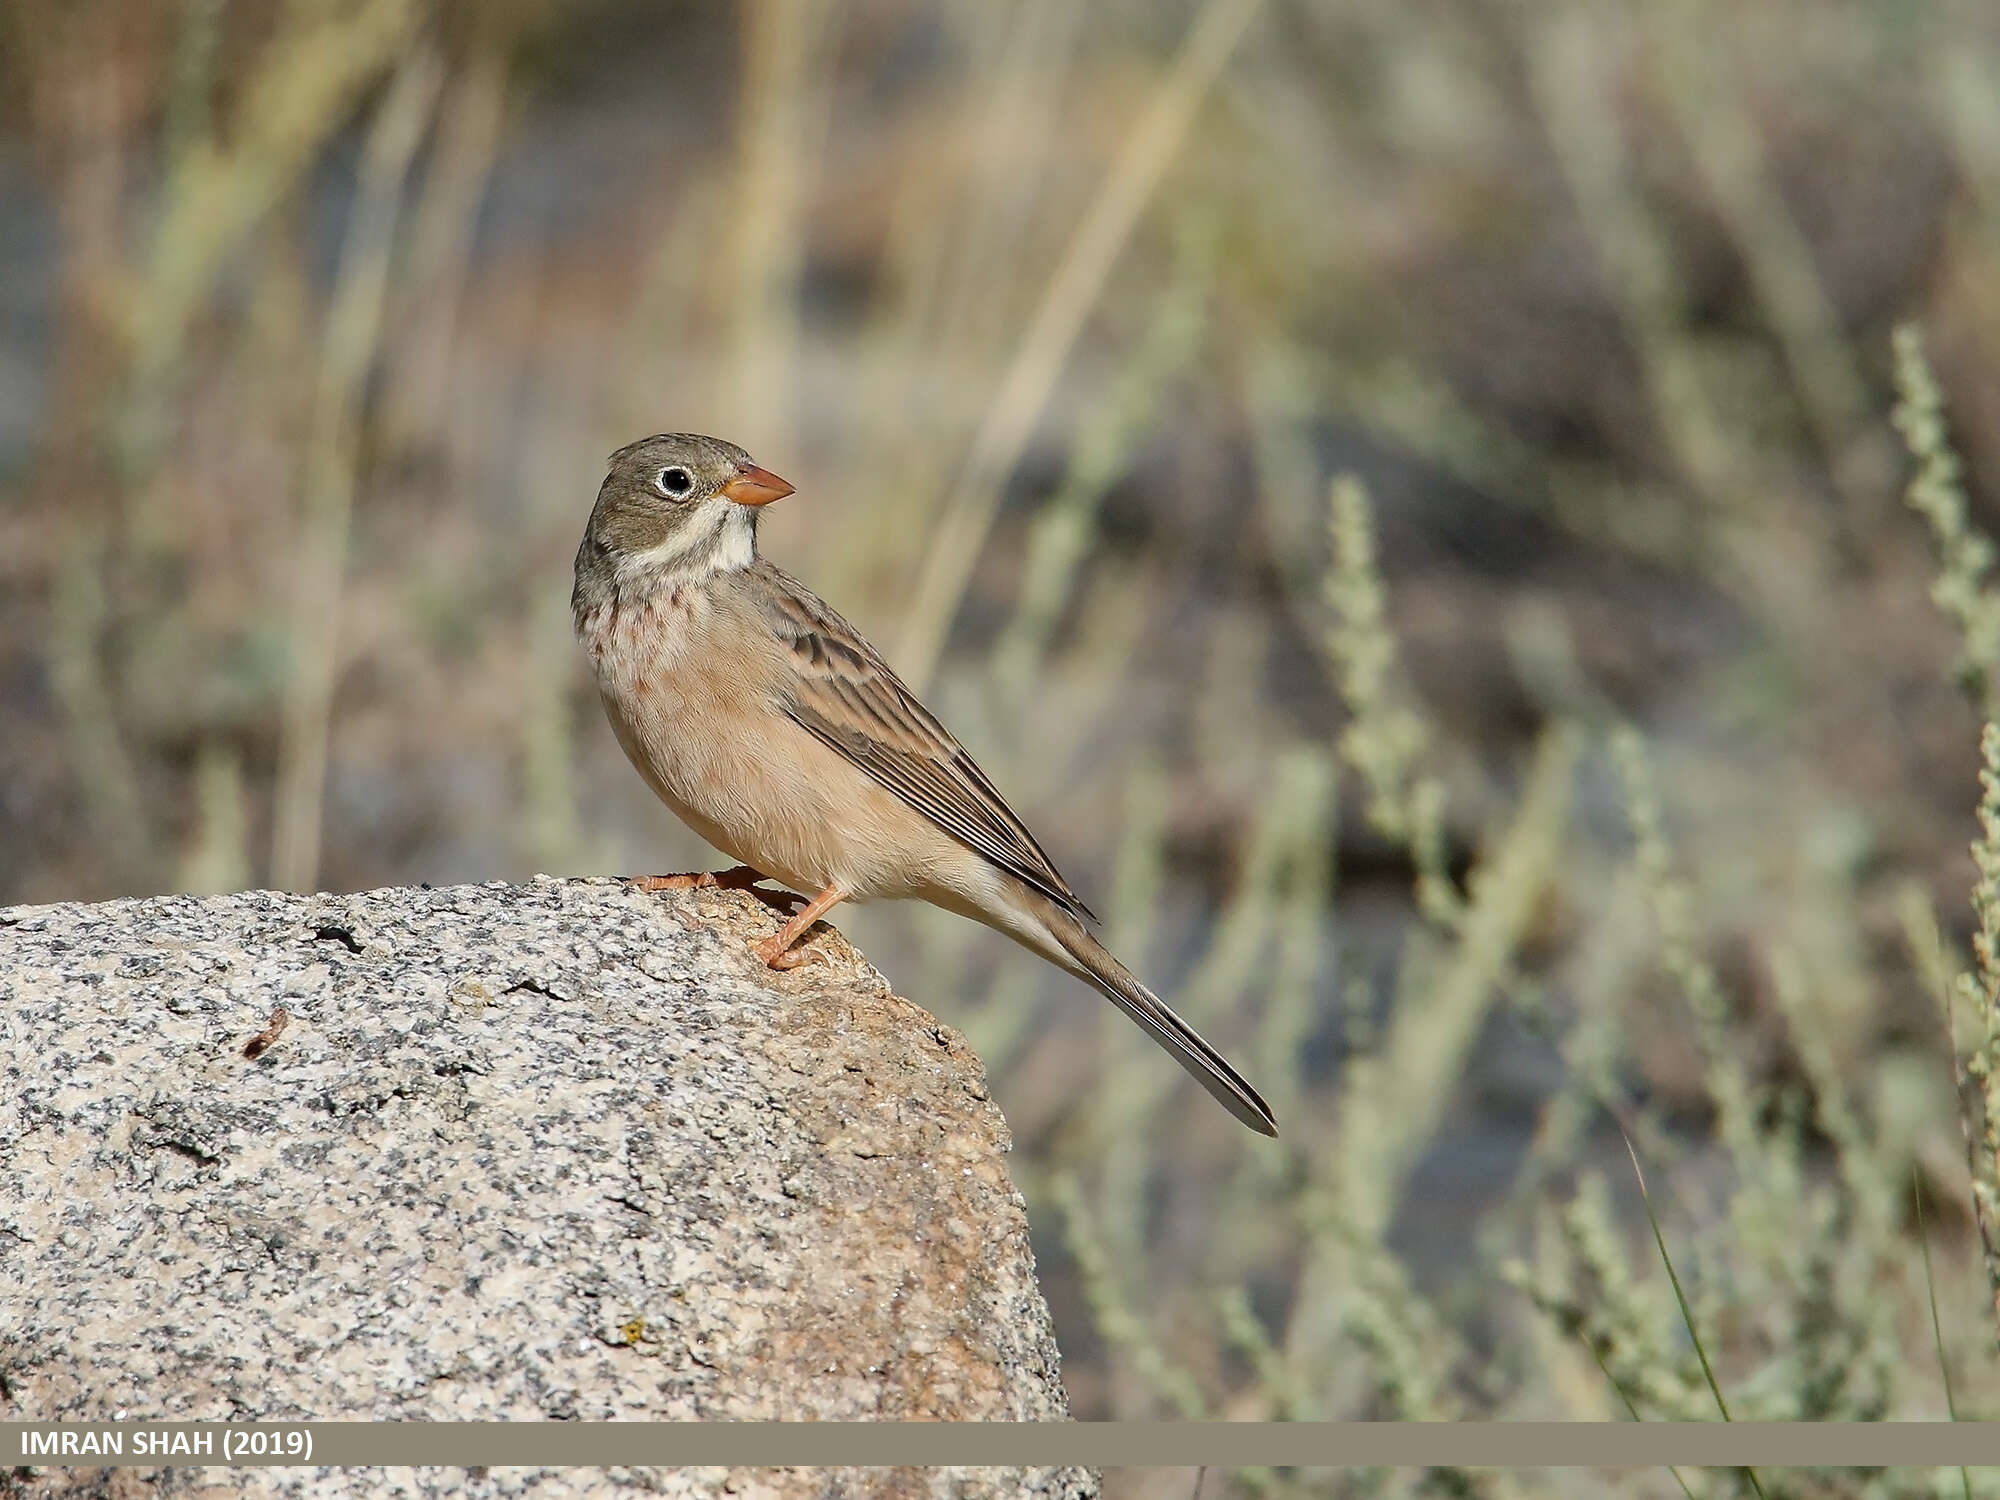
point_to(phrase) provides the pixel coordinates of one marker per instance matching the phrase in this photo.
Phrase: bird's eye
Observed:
(675, 481)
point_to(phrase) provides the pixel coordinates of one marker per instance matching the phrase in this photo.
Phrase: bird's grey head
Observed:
(674, 508)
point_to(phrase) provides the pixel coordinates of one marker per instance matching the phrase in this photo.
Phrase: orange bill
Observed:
(755, 486)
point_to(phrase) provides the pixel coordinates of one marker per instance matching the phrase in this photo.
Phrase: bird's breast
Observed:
(694, 692)
(624, 636)
(660, 675)
(690, 701)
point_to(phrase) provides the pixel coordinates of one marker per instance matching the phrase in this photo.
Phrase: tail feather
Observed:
(1094, 962)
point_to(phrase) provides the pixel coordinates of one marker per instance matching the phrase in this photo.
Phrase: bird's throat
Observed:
(720, 537)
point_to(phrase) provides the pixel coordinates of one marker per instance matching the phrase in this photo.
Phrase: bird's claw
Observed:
(736, 878)
(696, 880)
(787, 957)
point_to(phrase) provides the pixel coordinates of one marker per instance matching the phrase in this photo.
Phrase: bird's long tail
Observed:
(1091, 960)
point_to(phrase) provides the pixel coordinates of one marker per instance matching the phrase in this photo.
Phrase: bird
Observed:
(777, 733)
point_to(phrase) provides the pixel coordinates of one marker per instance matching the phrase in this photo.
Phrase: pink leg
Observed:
(778, 951)
(737, 877)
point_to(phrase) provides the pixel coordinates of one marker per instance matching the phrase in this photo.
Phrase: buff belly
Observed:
(724, 757)
(703, 726)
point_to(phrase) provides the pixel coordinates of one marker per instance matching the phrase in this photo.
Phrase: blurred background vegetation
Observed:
(1404, 497)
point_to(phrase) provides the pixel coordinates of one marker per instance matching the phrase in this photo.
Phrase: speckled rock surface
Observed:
(548, 1151)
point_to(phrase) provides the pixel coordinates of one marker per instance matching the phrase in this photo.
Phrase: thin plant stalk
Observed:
(1680, 1298)
(1937, 1329)
(1625, 1396)
(1979, 1073)
(1038, 359)
(106, 776)
(783, 40)
(1707, 106)
(442, 224)
(296, 97)
(1121, 1323)
(354, 322)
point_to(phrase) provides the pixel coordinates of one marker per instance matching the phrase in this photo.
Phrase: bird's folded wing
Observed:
(846, 695)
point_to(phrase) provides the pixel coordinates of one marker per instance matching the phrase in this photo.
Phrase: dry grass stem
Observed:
(1142, 161)
(353, 328)
(1980, 1089)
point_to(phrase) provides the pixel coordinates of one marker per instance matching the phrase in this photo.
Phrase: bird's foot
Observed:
(735, 878)
(777, 950)
(699, 879)
(779, 953)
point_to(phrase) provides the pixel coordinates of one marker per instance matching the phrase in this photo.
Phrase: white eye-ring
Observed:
(675, 482)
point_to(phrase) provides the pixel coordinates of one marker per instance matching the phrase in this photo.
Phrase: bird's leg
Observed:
(693, 880)
(737, 878)
(778, 951)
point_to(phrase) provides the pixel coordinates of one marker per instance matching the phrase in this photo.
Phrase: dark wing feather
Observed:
(846, 695)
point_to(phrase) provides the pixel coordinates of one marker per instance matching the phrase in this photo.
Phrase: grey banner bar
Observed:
(1094, 1444)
